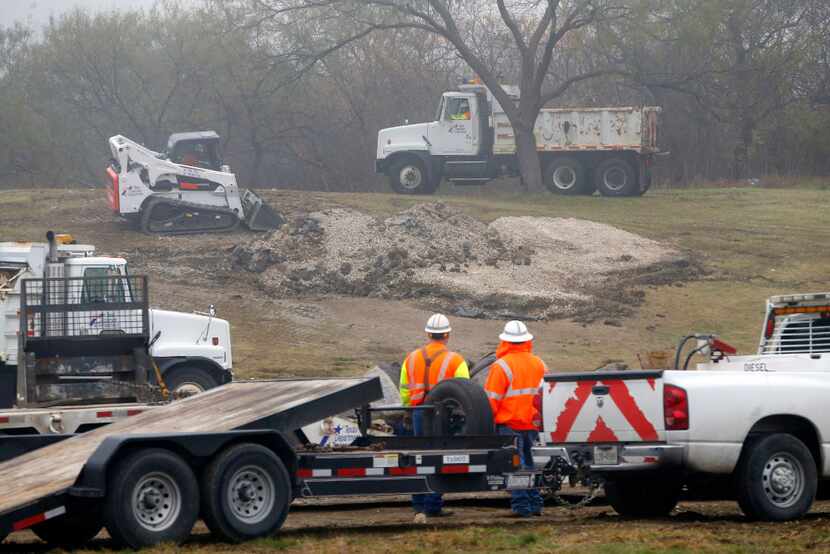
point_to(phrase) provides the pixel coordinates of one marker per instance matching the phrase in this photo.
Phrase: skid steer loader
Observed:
(186, 189)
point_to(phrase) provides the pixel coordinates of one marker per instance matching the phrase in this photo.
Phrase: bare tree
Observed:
(536, 26)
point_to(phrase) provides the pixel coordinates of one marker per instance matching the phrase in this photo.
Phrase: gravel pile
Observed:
(525, 267)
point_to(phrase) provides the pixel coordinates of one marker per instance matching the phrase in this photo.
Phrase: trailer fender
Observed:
(196, 448)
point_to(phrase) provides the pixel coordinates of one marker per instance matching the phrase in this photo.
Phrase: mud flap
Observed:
(259, 216)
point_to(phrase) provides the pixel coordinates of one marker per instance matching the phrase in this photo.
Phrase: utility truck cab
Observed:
(471, 141)
(192, 351)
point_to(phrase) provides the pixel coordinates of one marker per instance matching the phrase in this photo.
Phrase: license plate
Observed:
(606, 455)
(518, 481)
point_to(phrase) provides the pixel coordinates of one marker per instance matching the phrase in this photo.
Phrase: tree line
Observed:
(299, 88)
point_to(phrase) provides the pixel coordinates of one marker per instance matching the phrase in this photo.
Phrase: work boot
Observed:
(442, 513)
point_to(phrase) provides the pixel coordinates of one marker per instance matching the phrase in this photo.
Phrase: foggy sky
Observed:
(37, 12)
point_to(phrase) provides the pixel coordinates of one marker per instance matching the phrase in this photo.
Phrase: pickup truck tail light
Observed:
(675, 408)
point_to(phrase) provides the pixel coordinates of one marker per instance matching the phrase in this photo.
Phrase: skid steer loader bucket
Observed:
(258, 215)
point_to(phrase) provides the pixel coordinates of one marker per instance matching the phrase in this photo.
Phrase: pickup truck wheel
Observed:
(466, 408)
(71, 530)
(564, 175)
(776, 478)
(409, 176)
(246, 492)
(616, 177)
(643, 497)
(152, 497)
(188, 381)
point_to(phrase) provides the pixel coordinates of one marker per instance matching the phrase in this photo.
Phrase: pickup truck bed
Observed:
(283, 405)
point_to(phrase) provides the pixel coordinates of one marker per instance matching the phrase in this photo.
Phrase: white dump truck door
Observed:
(456, 131)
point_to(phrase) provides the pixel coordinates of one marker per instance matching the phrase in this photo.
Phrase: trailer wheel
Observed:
(466, 408)
(71, 530)
(616, 177)
(246, 492)
(643, 497)
(776, 478)
(564, 175)
(152, 497)
(188, 381)
(409, 175)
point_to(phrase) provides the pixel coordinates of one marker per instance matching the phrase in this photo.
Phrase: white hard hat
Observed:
(438, 324)
(515, 331)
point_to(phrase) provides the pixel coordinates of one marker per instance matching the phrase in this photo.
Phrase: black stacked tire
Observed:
(409, 175)
(649, 496)
(152, 497)
(246, 493)
(776, 479)
(565, 175)
(72, 530)
(616, 177)
(466, 410)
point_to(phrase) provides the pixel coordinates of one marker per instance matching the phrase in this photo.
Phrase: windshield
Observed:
(99, 289)
(440, 112)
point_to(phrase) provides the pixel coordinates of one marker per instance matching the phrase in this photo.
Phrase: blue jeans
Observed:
(430, 504)
(529, 501)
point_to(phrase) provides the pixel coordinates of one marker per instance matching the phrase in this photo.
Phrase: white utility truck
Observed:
(758, 425)
(65, 302)
(471, 141)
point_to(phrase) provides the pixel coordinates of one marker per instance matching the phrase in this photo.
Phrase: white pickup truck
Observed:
(756, 424)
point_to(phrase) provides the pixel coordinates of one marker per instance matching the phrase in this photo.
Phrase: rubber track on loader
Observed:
(184, 218)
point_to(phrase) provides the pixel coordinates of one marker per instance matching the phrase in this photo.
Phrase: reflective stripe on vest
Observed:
(511, 392)
(419, 390)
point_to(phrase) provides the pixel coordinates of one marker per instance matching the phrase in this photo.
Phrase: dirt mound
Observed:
(526, 267)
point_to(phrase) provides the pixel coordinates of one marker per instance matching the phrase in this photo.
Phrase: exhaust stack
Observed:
(53, 247)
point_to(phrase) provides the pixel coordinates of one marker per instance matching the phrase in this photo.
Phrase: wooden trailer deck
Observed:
(285, 405)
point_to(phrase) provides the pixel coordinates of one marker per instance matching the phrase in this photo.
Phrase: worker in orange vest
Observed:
(512, 387)
(421, 370)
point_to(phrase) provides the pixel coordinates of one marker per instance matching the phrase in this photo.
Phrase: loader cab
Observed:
(197, 149)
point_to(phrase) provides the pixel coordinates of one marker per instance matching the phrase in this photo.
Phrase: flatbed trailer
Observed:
(232, 457)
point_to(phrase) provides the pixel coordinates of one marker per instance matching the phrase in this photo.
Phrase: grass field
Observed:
(749, 243)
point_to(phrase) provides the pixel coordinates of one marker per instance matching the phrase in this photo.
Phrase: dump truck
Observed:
(471, 142)
(78, 340)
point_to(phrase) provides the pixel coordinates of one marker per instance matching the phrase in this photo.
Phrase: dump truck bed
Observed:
(284, 405)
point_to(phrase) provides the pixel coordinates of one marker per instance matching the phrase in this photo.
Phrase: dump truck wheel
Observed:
(646, 497)
(246, 492)
(409, 175)
(188, 381)
(616, 177)
(564, 175)
(152, 497)
(776, 478)
(466, 408)
(71, 530)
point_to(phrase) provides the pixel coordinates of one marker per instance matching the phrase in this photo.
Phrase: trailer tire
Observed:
(246, 493)
(152, 497)
(566, 175)
(468, 410)
(776, 478)
(409, 175)
(188, 380)
(616, 177)
(643, 497)
(72, 530)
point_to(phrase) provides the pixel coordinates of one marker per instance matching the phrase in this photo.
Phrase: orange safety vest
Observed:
(513, 384)
(442, 364)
